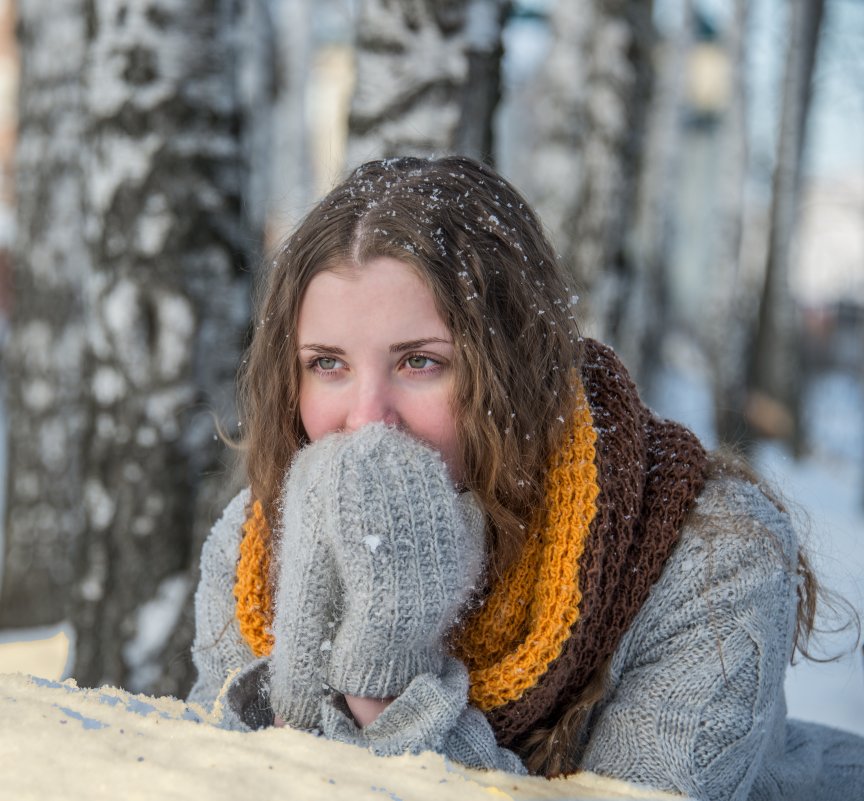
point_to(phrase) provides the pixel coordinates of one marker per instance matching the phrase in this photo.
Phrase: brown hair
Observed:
(498, 287)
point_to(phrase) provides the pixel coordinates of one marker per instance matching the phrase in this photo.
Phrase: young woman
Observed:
(465, 532)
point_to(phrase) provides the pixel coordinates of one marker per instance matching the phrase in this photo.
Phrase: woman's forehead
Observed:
(384, 296)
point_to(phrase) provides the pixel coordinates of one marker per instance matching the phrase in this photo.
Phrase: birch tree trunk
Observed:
(582, 170)
(166, 313)
(482, 89)
(290, 160)
(654, 224)
(774, 370)
(133, 165)
(44, 356)
(411, 68)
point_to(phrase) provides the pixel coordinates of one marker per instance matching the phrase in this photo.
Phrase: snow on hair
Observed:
(498, 286)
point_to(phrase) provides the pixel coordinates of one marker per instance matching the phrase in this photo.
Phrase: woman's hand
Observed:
(388, 554)
(366, 710)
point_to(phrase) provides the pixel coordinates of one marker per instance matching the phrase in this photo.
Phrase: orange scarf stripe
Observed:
(254, 608)
(506, 618)
(547, 582)
(481, 645)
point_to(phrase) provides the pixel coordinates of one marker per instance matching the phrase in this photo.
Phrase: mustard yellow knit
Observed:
(511, 641)
(254, 609)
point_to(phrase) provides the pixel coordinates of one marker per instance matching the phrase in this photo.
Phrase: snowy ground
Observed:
(100, 745)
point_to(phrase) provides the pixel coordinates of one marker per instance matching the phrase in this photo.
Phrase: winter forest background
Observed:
(699, 165)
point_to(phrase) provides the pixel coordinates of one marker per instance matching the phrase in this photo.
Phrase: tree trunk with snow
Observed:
(290, 158)
(428, 78)
(166, 314)
(482, 89)
(582, 168)
(43, 362)
(133, 314)
(654, 218)
(774, 374)
(411, 66)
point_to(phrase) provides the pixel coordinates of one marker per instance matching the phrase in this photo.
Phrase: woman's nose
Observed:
(371, 403)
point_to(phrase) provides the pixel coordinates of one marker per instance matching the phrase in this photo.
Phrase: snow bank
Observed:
(59, 741)
(43, 651)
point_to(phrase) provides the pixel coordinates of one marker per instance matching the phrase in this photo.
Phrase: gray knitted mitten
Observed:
(377, 555)
(409, 550)
(374, 538)
(307, 588)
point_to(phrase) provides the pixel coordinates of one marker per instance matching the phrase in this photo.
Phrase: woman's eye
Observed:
(419, 362)
(326, 363)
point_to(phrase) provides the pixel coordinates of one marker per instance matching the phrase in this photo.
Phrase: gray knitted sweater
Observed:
(695, 703)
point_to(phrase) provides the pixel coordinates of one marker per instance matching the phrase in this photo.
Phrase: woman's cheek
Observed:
(316, 415)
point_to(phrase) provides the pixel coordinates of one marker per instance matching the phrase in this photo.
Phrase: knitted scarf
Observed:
(617, 493)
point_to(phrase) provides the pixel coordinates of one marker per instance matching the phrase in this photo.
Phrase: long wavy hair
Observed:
(498, 287)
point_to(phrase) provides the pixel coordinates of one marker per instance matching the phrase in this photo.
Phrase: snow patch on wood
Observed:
(154, 224)
(176, 329)
(122, 162)
(37, 395)
(108, 386)
(99, 504)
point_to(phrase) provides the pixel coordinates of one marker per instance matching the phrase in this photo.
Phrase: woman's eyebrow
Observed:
(414, 344)
(316, 348)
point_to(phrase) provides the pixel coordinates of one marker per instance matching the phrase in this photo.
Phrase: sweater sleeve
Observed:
(697, 681)
(219, 647)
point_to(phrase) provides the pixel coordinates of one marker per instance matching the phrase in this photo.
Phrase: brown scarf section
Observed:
(650, 472)
(616, 497)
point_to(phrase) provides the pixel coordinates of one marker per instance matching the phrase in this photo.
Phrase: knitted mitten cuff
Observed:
(408, 549)
(430, 715)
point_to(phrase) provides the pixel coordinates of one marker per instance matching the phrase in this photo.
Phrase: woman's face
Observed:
(373, 348)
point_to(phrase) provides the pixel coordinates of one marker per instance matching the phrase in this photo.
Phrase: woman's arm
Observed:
(219, 647)
(698, 678)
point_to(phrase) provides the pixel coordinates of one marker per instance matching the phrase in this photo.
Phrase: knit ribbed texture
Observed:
(528, 616)
(430, 714)
(252, 589)
(307, 588)
(367, 518)
(400, 525)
